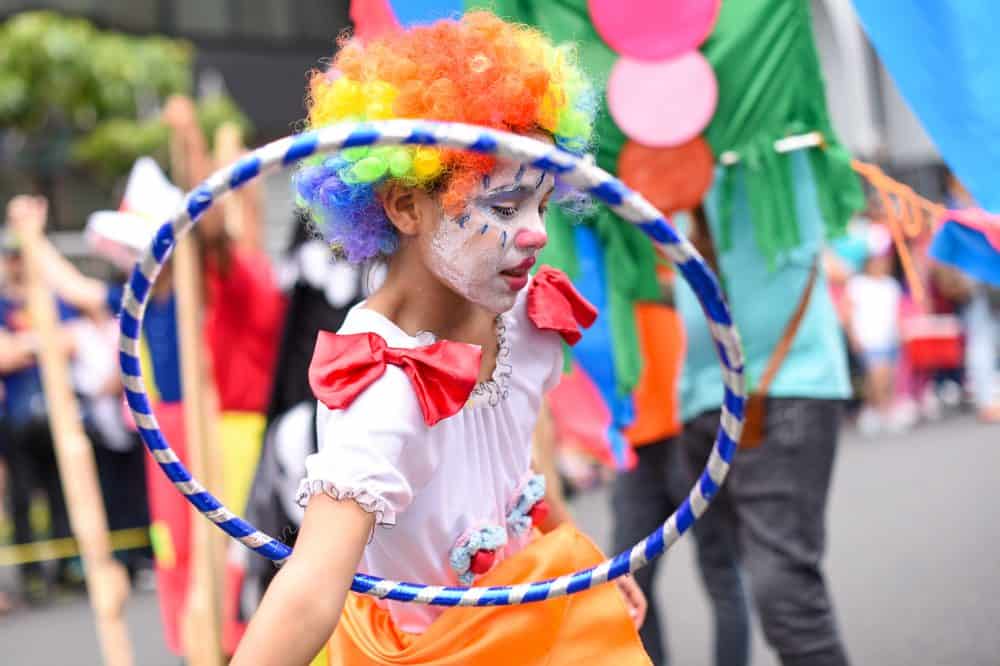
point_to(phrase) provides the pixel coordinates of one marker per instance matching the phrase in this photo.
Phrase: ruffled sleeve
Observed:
(376, 451)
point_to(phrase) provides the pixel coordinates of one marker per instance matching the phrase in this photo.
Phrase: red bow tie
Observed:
(554, 304)
(442, 374)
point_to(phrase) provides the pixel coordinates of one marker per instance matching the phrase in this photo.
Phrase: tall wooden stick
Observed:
(202, 634)
(107, 583)
(240, 208)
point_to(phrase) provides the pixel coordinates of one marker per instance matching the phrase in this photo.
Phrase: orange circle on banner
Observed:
(672, 179)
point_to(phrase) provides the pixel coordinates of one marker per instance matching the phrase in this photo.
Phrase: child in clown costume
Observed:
(430, 390)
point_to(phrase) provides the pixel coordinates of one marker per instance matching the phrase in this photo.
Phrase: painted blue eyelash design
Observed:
(485, 227)
(520, 174)
(503, 239)
(462, 219)
(486, 181)
(541, 177)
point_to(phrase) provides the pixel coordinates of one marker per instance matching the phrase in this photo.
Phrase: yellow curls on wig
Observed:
(478, 70)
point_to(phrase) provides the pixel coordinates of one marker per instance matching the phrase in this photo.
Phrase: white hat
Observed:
(121, 236)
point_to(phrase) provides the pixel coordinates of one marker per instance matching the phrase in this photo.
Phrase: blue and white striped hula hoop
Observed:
(576, 171)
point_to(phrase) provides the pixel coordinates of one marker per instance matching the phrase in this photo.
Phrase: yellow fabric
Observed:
(163, 544)
(589, 628)
(321, 658)
(241, 434)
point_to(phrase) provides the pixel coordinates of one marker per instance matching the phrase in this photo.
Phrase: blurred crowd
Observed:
(912, 360)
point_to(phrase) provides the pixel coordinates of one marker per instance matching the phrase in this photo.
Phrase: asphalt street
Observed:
(912, 562)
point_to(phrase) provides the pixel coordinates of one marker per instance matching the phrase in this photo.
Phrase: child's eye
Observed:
(506, 212)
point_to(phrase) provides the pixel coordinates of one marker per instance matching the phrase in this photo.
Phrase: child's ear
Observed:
(410, 209)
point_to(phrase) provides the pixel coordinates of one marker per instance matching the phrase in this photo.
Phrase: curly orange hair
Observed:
(478, 69)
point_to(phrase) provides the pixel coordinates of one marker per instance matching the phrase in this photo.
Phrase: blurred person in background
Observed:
(950, 291)
(874, 298)
(6, 604)
(320, 292)
(118, 452)
(243, 316)
(844, 258)
(982, 349)
(767, 524)
(29, 444)
(643, 497)
(95, 378)
(981, 314)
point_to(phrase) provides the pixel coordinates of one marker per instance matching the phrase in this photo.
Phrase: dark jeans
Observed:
(32, 465)
(642, 499)
(122, 476)
(770, 514)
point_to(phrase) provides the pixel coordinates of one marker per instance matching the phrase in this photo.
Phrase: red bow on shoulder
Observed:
(442, 374)
(554, 304)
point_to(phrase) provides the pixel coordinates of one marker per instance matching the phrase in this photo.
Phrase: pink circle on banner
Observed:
(654, 29)
(662, 104)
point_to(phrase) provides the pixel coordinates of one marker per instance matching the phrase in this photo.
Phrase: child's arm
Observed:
(544, 461)
(17, 351)
(28, 216)
(303, 603)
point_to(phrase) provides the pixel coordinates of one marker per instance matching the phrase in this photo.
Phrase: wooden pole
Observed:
(202, 626)
(107, 583)
(228, 149)
(241, 209)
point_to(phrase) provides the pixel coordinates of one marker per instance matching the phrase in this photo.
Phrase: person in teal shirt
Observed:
(763, 300)
(770, 514)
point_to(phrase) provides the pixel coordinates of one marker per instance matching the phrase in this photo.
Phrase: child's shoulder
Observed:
(372, 364)
(360, 319)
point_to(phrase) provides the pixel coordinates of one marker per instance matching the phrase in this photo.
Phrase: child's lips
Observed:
(517, 277)
(515, 282)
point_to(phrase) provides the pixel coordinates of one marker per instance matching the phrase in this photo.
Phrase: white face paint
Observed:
(485, 253)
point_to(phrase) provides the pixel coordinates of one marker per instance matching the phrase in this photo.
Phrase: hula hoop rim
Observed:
(579, 172)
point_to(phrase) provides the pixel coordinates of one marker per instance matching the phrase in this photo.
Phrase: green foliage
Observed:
(55, 69)
(114, 145)
(215, 111)
(62, 76)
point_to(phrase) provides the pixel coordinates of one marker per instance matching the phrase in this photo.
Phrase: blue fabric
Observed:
(413, 12)
(873, 357)
(762, 304)
(943, 56)
(594, 351)
(24, 397)
(967, 250)
(159, 328)
(853, 249)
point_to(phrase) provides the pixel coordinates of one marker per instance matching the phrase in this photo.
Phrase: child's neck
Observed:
(446, 315)
(416, 301)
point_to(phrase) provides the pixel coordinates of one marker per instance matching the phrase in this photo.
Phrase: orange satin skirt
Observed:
(591, 627)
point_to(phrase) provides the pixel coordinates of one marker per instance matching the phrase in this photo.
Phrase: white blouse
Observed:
(429, 485)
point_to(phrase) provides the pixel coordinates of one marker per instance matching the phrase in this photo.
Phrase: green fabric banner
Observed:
(629, 258)
(770, 87)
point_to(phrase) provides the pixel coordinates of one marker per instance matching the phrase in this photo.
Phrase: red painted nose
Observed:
(526, 239)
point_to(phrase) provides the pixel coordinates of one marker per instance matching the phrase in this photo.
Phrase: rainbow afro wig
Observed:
(479, 70)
